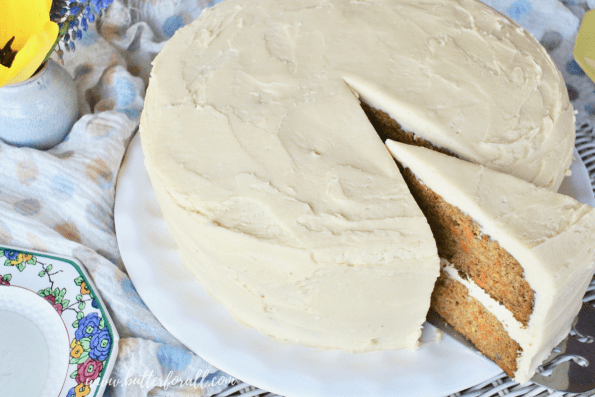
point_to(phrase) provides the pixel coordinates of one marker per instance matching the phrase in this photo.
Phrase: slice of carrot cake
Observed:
(516, 259)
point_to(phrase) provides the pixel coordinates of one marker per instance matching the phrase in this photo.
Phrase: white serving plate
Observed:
(205, 327)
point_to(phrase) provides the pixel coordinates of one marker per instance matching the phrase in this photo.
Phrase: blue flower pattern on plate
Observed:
(88, 326)
(100, 344)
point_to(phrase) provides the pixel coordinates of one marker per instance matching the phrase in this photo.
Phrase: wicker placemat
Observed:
(500, 385)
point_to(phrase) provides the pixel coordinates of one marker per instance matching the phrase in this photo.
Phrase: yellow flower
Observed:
(20, 259)
(81, 390)
(84, 289)
(77, 349)
(35, 35)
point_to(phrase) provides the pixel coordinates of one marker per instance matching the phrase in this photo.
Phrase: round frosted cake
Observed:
(280, 194)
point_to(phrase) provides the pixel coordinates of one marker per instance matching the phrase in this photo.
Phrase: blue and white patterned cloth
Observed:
(61, 201)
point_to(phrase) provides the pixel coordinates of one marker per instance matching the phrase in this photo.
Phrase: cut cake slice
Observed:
(516, 259)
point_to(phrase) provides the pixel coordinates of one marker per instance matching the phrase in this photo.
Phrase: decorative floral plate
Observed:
(54, 326)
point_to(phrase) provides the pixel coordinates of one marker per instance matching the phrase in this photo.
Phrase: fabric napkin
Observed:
(61, 200)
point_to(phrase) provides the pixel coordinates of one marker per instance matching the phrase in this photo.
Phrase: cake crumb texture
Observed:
(474, 254)
(389, 128)
(525, 253)
(451, 300)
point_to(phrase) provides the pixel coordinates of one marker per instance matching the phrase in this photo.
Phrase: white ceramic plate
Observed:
(56, 338)
(205, 327)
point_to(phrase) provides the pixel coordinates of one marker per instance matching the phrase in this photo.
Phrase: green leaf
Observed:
(75, 373)
(65, 303)
(62, 292)
(49, 268)
(78, 280)
(7, 263)
(7, 277)
(55, 292)
(79, 360)
(79, 297)
(79, 315)
(86, 344)
(81, 305)
(32, 261)
(21, 267)
(101, 323)
(47, 291)
(41, 273)
(1, 251)
(85, 354)
(76, 324)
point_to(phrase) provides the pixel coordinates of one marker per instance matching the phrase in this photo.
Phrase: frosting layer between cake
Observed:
(551, 235)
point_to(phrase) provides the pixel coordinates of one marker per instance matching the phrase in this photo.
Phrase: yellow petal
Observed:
(30, 56)
(22, 20)
(584, 52)
(3, 75)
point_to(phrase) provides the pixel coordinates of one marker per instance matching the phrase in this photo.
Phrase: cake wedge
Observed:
(516, 259)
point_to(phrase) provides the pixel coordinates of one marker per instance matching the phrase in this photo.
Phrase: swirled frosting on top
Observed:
(280, 195)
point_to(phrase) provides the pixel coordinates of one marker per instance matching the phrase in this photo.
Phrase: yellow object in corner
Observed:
(35, 35)
(584, 48)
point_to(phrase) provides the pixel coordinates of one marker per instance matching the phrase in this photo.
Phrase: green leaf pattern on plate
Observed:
(17, 259)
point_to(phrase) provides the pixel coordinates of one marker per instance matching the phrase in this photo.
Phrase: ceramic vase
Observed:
(40, 111)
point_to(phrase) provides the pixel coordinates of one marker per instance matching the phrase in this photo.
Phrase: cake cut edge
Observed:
(558, 265)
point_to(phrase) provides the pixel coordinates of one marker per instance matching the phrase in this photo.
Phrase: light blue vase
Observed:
(40, 111)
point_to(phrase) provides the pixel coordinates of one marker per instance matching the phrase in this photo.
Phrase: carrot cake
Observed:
(516, 259)
(278, 191)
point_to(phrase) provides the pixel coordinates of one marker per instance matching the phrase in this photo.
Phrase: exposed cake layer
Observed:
(551, 236)
(474, 254)
(388, 128)
(515, 330)
(451, 299)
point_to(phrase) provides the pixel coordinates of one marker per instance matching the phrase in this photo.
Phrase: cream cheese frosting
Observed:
(281, 197)
(551, 235)
(455, 73)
